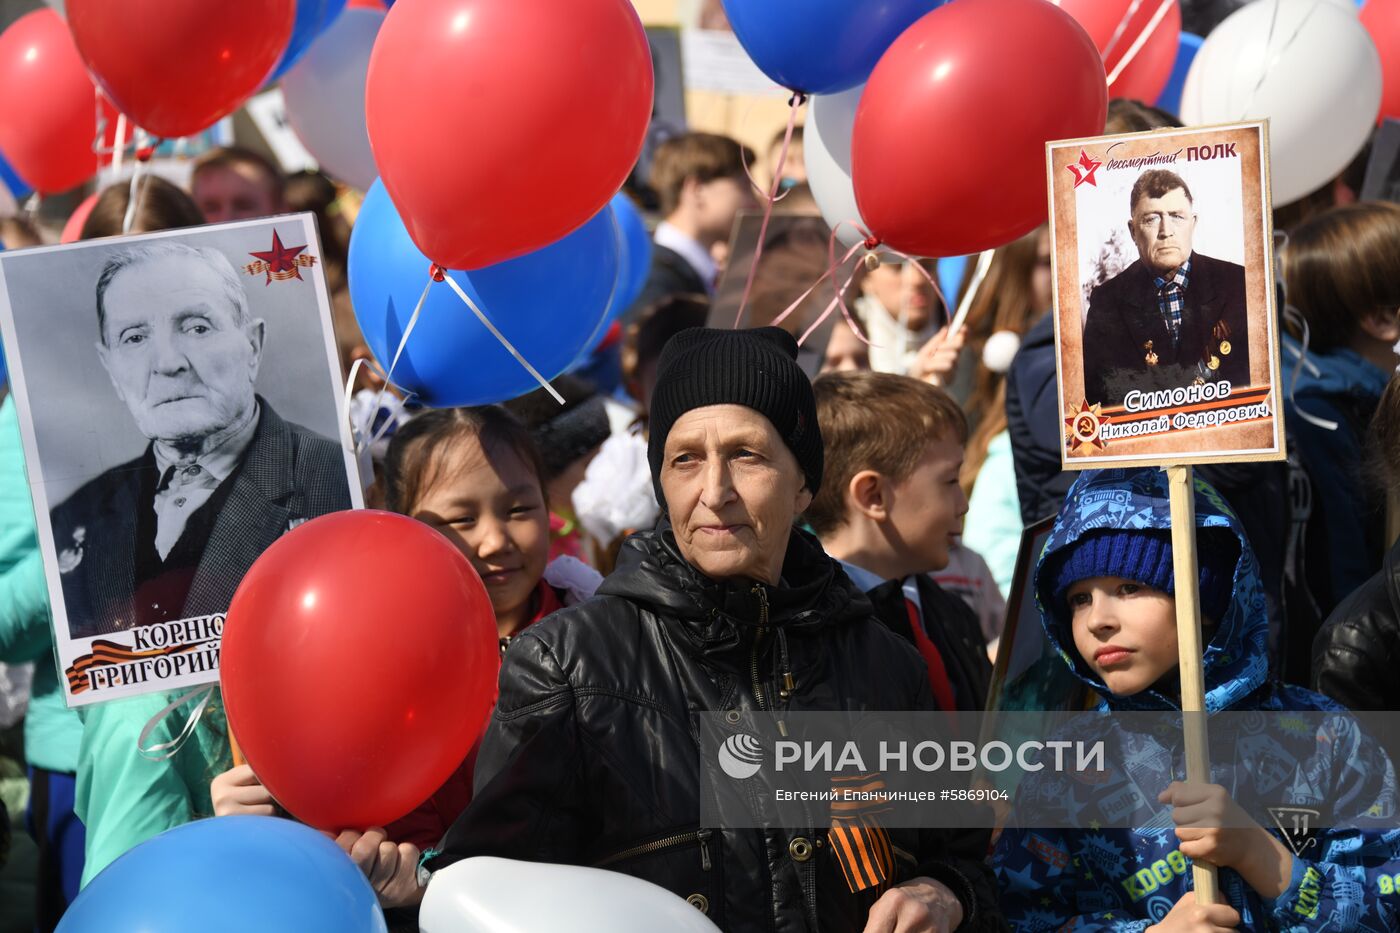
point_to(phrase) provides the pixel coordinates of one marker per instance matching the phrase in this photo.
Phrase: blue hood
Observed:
(1236, 662)
(1336, 373)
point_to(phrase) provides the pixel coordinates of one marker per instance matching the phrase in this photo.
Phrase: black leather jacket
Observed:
(1357, 651)
(591, 757)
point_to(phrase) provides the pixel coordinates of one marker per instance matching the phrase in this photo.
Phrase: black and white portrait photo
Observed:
(180, 401)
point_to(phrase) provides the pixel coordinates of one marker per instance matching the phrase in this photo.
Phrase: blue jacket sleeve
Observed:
(1347, 879)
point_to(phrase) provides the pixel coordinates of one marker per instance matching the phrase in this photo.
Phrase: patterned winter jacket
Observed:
(1128, 879)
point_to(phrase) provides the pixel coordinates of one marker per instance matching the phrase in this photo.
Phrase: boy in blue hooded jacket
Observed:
(1104, 584)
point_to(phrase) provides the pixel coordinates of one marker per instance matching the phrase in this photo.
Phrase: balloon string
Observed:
(831, 271)
(1141, 40)
(361, 444)
(1121, 28)
(164, 751)
(845, 312)
(743, 158)
(486, 322)
(144, 149)
(794, 105)
(871, 242)
(119, 144)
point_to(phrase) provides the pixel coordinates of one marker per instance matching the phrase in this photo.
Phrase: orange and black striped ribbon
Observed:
(861, 845)
(108, 653)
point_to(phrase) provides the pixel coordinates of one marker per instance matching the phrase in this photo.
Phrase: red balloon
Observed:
(501, 126)
(1382, 20)
(358, 665)
(73, 229)
(47, 104)
(177, 66)
(948, 150)
(1116, 26)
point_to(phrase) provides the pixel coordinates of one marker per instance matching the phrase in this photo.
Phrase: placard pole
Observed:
(1181, 481)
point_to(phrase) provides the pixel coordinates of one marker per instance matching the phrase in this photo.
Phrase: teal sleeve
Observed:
(25, 632)
(123, 798)
(993, 524)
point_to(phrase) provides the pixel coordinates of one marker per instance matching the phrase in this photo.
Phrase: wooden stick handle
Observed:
(1181, 481)
(238, 758)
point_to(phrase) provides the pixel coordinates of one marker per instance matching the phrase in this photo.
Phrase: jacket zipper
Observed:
(758, 646)
(701, 836)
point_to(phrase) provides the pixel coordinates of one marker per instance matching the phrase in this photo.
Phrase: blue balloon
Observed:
(635, 262)
(821, 46)
(1170, 98)
(547, 304)
(19, 188)
(230, 874)
(313, 17)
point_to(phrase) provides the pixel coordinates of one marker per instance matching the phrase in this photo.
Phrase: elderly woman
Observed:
(590, 758)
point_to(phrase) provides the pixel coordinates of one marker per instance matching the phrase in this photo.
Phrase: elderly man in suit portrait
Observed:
(170, 534)
(1174, 317)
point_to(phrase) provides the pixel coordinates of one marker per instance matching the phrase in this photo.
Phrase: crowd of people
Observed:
(705, 525)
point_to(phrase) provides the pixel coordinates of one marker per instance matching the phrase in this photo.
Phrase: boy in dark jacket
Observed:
(889, 510)
(1105, 585)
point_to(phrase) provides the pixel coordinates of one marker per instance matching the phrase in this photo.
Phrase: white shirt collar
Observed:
(689, 249)
(219, 462)
(866, 581)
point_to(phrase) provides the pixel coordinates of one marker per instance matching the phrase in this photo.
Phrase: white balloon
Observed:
(496, 895)
(826, 149)
(325, 94)
(1313, 72)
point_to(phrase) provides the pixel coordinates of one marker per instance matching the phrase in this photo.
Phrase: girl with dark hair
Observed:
(475, 475)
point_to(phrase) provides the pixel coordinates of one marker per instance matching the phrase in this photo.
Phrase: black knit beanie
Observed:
(754, 368)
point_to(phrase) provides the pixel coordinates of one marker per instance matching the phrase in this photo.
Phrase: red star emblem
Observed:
(280, 262)
(1085, 426)
(1087, 166)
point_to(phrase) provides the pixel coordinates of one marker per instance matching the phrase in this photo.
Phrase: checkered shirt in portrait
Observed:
(1171, 298)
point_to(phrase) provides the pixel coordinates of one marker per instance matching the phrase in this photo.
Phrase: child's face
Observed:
(1124, 631)
(494, 511)
(927, 507)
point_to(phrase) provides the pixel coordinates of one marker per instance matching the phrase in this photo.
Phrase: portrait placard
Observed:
(179, 400)
(1165, 331)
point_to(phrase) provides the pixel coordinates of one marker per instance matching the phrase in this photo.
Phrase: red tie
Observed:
(937, 673)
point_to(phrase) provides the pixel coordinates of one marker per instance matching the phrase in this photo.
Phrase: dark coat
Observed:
(1357, 652)
(288, 475)
(669, 275)
(1124, 315)
(591, 751)
(1035, 424)
(953, 629)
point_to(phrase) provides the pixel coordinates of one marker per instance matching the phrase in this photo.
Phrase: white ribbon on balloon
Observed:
(510, 348)
(164, 751)
(1140, 41)
(362, 444)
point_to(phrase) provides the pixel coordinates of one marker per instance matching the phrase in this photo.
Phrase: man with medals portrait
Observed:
(1174, 317)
